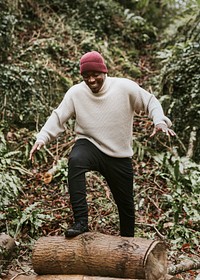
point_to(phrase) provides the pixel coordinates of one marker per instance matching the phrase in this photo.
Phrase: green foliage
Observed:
(181, 205)
(62, 173)
(107, 19)
(31, 218)
(103, 21)
(175, 209)
(7, 24)
(27, 93)
(12, 217)
(136, 25)
(156, 13)
(10, 184)
(140, 149)
(101, 18)
(180, 81)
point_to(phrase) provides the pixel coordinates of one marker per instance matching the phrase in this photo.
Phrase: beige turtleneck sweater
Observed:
(105, 118)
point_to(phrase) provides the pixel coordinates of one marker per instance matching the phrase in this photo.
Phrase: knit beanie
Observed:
(92, 61)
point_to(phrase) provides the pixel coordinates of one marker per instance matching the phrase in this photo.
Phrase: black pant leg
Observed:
(119, 175)
(83, 158)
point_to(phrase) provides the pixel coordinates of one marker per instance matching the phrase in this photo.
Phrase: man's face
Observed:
(94, 80)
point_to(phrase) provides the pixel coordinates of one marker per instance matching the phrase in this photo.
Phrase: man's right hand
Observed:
(36, 147)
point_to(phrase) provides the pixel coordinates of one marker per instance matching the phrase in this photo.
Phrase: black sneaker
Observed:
(76, 229)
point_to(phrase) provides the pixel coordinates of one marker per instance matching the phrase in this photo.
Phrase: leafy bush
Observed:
(13, 218)
(181, 207)
(180, 86)
(104, 20)
(7, 25)
(29, 93)
(159, 13)
(102, 17)
(137, 30)
(31, 218)
(9, 181)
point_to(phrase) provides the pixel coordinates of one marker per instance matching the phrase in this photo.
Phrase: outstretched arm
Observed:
(155, 111)
(54, 125)
(142, 100)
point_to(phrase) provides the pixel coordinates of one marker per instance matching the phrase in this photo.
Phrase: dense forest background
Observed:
(155, 43)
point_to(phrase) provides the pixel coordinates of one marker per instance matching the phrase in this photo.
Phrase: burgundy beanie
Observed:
(92, 61)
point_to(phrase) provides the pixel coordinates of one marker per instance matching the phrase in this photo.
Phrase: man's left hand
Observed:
(162, 127)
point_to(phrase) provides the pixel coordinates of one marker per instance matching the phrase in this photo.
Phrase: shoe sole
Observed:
(68, 234)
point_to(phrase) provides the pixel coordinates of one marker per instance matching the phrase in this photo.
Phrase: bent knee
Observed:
(77, 160)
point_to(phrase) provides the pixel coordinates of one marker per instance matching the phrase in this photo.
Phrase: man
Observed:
(104, 108)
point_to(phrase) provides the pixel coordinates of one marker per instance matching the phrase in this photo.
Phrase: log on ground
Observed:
(67, 277)
(97, 254)
(76, 277)
(7, 245)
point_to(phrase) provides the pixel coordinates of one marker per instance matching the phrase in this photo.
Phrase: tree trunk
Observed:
(97, 254)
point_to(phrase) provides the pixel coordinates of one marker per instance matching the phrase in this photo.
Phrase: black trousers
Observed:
(118, 172)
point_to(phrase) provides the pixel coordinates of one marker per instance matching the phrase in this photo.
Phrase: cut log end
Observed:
(156, 262)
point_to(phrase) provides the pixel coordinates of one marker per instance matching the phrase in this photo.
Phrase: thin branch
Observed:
(192, 140)
(154, 227)
(20, 273)
(184, 266)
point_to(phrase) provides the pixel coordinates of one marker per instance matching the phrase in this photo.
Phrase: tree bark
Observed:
(97, 254)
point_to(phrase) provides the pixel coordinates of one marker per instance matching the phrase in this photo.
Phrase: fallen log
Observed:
(7, 245)
(74, 277)
(97, 254)
(67, 277)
